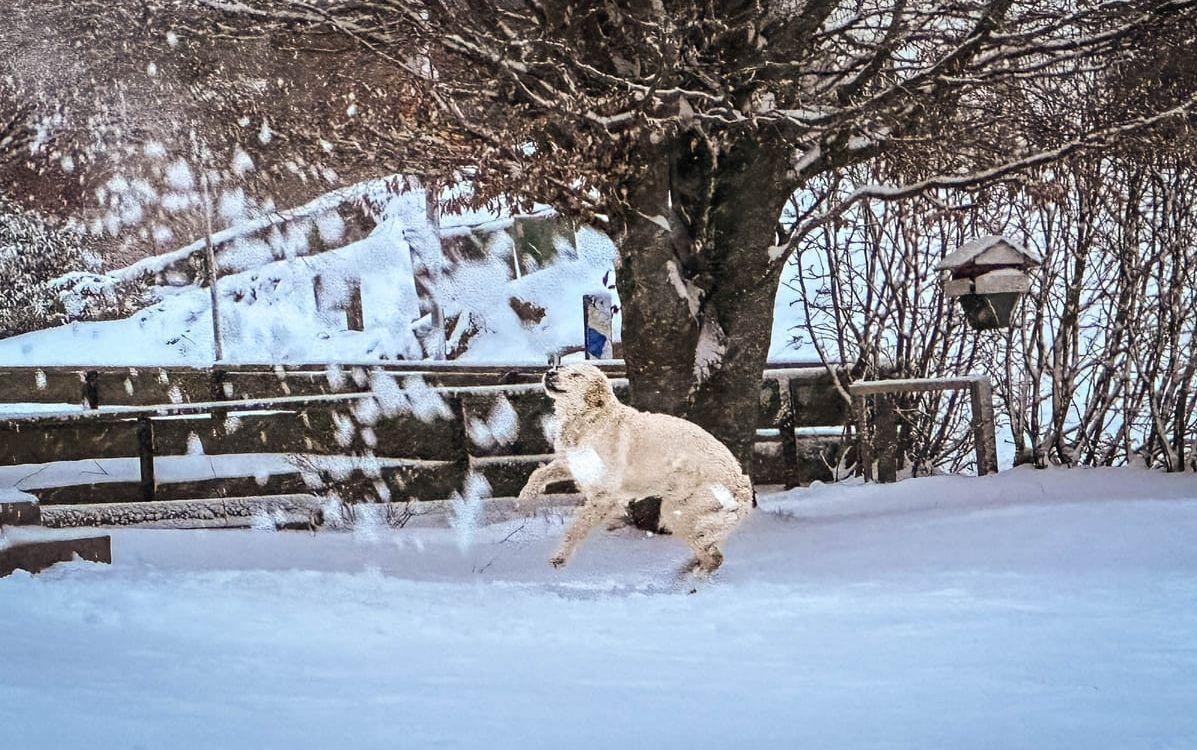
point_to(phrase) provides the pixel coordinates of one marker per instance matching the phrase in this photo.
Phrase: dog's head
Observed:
(578, 388)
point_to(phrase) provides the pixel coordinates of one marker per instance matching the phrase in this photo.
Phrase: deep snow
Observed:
(1027, 609)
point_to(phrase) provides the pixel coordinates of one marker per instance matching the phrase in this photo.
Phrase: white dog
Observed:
(616, 454)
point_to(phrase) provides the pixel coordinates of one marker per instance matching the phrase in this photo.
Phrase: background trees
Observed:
(687, 126)
(97, 97)
(1099, 368)
(33, 253)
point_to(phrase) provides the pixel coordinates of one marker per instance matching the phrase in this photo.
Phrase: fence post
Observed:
(787, 421)
(145, 450)
(887, 438)
(983, 430)
(91, 389)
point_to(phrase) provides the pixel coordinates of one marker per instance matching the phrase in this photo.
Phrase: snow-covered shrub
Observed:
(32, 254)
(1100, 366)
(82, 295)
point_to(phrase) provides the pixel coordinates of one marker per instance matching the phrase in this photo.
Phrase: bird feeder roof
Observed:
(991, 250)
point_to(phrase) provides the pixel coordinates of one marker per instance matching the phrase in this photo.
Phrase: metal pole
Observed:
(209, 250)
(210, 265)
(426, 282)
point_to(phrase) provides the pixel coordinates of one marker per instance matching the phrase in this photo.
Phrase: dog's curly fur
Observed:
(616, 454)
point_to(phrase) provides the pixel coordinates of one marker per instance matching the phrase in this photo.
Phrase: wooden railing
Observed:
(345, 411)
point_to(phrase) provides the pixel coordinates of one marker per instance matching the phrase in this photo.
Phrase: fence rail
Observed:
(418, 455)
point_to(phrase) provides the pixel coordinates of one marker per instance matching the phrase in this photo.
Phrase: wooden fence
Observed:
(351, 410)
(881, 443)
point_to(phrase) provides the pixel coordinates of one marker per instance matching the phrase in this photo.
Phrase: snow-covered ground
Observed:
(269, 314)
(1029, 609)
(268, 307)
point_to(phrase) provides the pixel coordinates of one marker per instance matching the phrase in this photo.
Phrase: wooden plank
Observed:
(37, 556)
(912, 385)
(136, 386)
(306, 431)
(38, 444)
(139, 386)
(301, 510)
(984, 435)
(886, 440)
(419, 480)
(40, 386)
(20, 514)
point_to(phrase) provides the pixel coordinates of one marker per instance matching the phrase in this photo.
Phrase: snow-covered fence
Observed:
(881, 443)
(35, 557)
(34, 553)
(133, 386)
(493, 430)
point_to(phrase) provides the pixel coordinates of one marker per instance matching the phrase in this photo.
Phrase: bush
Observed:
(32, 254)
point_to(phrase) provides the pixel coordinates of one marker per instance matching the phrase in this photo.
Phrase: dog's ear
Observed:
(596, 395)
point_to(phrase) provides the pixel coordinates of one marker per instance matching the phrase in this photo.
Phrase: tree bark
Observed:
(659, 332)
(697, 286)
(750, 191)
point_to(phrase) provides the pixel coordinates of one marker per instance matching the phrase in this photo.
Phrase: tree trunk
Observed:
(659, 332)
(697, 286)
(749, 194)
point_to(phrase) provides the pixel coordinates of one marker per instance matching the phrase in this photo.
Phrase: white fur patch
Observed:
(726, 500)
(586, 465)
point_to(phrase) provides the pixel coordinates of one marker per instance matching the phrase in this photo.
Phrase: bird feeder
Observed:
(988, 275)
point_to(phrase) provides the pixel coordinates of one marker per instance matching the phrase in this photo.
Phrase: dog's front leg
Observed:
(554, 471)
(588, 516)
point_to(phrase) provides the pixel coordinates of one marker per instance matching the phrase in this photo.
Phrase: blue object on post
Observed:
(596, 320)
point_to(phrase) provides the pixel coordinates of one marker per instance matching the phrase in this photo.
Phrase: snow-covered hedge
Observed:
(33, 253)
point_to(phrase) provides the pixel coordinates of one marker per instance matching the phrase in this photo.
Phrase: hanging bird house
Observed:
(988, 275)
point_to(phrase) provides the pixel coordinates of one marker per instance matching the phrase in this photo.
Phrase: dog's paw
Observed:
(557, 561)
(617, 524)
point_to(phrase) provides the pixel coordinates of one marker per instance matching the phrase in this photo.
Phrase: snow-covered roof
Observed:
(993, 249)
